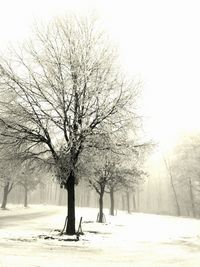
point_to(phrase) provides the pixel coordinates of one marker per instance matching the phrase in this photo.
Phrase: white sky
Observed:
(159, 40)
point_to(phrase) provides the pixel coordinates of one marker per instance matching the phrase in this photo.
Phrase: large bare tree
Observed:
(64, 87)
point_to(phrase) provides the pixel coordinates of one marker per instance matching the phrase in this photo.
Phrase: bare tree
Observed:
(185, 167)
(66, 87)
(172, 182)
(7, 187)
(131, 178)
(30, 177)
(114, 184)
(102, 174)
(104, 177)
(8, 178)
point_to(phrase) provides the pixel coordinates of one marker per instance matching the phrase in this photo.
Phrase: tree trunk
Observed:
(56, 192)
(123, 203)
(60, 197)
(112, 202)
(42, 193)
(88, 199)
(100, 219)
(5, 195)
(71, 205)
(168, 167)
(192, 198)
(128, 202)
(138, 199)
(25, 197)
(175, 196)
(134, 202)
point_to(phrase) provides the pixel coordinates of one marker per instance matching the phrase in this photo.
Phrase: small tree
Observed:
(7, 187)
(8, 178)
(168, 167)
(102, 158)
(102, 175)
(184, 164)
(114, 184)
(131, 178)
(115, 181)
(29, 178)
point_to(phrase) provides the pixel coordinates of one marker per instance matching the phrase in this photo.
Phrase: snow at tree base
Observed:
(138, 239)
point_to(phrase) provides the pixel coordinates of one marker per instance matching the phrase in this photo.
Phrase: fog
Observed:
(99, 127)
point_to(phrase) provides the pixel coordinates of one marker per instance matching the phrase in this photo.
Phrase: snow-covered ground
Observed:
(139, 240)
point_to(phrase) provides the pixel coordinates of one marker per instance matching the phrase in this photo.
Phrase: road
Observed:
(30, 221)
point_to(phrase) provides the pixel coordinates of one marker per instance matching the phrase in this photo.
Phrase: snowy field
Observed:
(139, 240)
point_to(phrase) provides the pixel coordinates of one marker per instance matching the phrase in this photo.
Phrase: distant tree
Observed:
(131, 179)
(103, 176)
(124, 179)
(29, 178)
(100, 178)
(186, 171)
(169, 170)
(114, 184)
(7, 187)
(115, 166)
(8, 178)
(67, 87)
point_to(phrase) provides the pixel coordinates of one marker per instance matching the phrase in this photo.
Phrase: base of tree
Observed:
(61, 236)
(113, 213)
(64, 230)
(2, 208)
(103, 218)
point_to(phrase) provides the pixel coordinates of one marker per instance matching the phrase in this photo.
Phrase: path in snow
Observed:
(139, 240)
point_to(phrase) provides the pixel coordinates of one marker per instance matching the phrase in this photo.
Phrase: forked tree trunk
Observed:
(25, 197)
(71, 205)
(112, 202)
(5, 195)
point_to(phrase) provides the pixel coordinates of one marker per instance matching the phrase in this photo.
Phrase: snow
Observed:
(140, 240)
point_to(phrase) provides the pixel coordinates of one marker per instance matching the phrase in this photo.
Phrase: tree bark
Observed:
(71, 205)
(112, 202)
(5, 195)
(100, 219)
